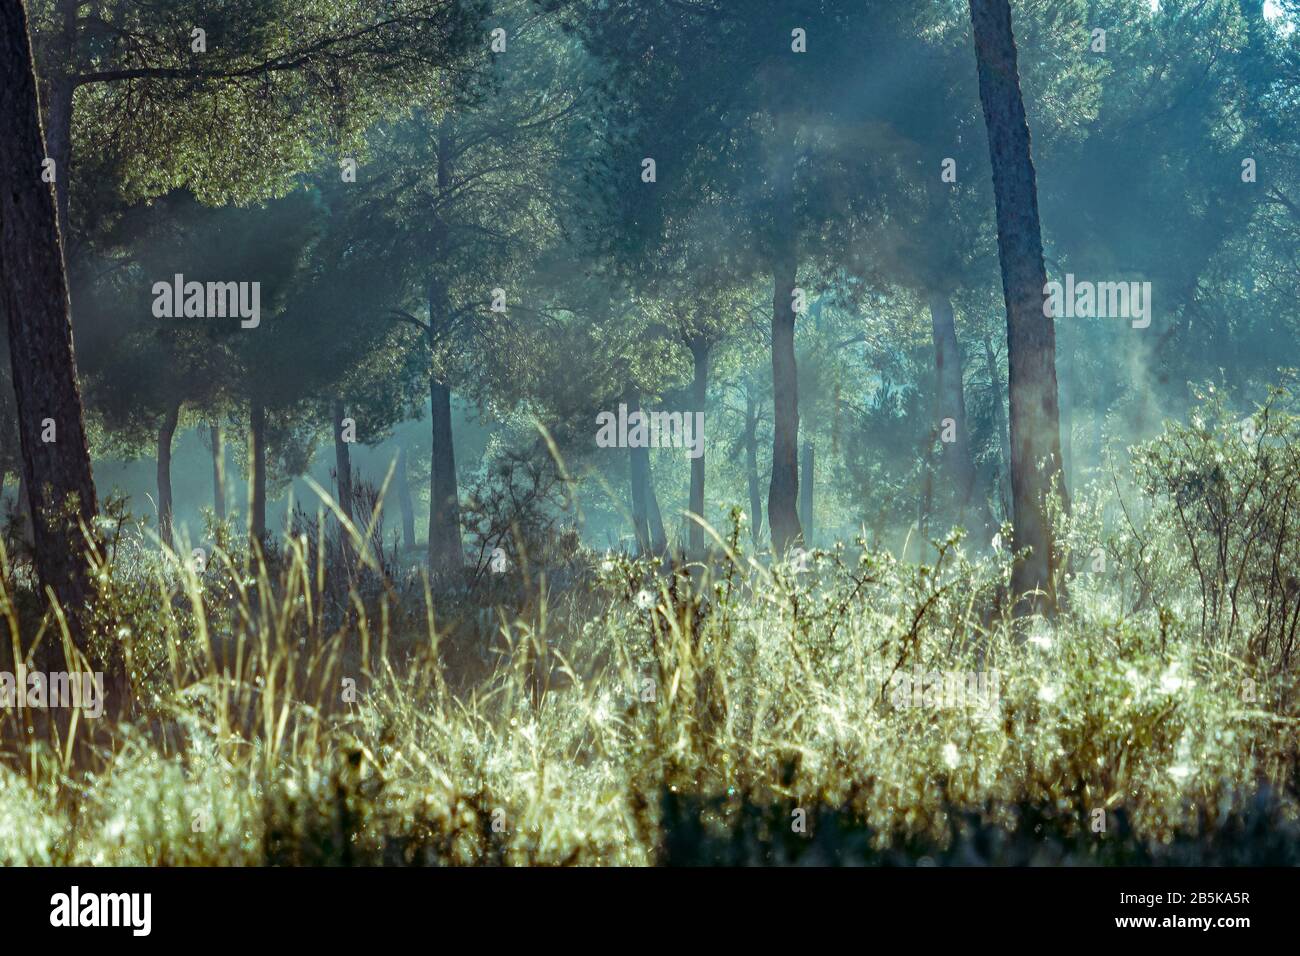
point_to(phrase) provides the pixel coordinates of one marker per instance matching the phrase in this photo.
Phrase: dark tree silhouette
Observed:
(34, 293)
(1031, 335)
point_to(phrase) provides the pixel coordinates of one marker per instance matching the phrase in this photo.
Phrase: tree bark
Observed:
(959, 455)
(751, 468)
(34, 296)
(445, 549)
(343, 482)
(1000, 423)
(638, 465)
(699, 398)
(446, 552)
(166, 432)
(404, 501)
(783, 491)
(1031, 335)
(218, 472)
(257, 472)
(658, 534)
(806, 494)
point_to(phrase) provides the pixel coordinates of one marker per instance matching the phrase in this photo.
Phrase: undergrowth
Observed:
(853, 709)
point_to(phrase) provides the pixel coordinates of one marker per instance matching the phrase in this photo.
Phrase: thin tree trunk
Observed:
(34, 296)
(404, 501)
(959, 455)
(1000, 423)
(751, 468)
(166, 432)
(218, 472)
(783, 491)
(658, 534)
(445, 549)
(699, 398)
(806, 494)
(257, 472)
(343, 482)
(1031, 335)
(638, 469)
(446, 552)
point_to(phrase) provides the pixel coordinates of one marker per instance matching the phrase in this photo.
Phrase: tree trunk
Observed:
(638, 465)
(959, 455)
(257, 472)
(446, 553)
(658, 535)
(343, 483)
(783, 491)
(404, 501)
(806, 494)
(166, 432)
(34, 296)
(751, 468)
(218, 472)
(699, 398)
(1031, 335)
(1000, 423)
(445, 550)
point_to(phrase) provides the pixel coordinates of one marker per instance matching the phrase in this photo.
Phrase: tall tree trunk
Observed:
(959, 455)
(257, 472)
(34, 296)
(638, 466)
(166, 432)
(446, 552)
(658, 534)
(699, 398)
(343, 483)
(806, 494)
(404, 501)
(218, 471)
(1000, 423)
(783, 491)
(751, 468)
(1031, 335)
